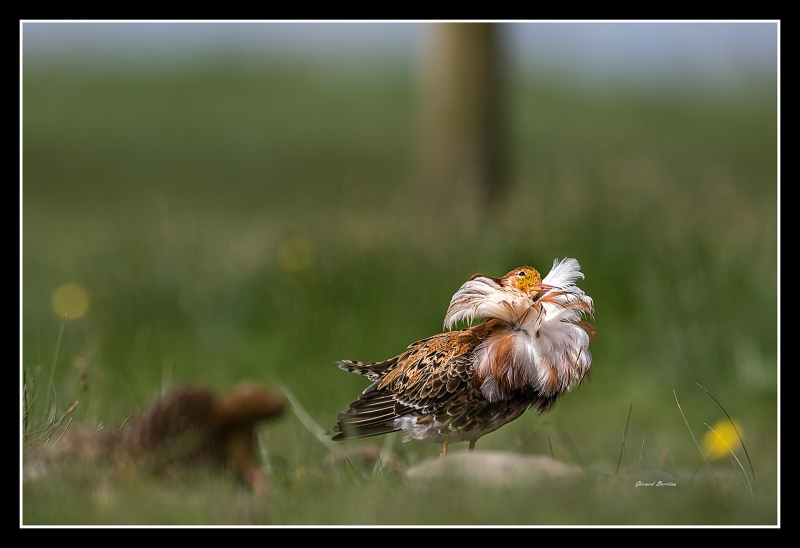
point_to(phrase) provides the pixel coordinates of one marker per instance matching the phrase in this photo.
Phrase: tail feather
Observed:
(372, 370)
(372, 414)
(365, 432)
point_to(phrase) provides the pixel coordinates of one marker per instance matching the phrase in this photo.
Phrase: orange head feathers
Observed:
(524, 279)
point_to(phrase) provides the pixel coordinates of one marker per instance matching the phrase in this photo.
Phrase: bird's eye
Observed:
(521, 273)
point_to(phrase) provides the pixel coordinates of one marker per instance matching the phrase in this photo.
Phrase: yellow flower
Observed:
(716, 443)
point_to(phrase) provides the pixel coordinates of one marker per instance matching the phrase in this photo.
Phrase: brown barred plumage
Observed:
(460, 385)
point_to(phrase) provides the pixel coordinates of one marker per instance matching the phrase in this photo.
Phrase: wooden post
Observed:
(462, 156)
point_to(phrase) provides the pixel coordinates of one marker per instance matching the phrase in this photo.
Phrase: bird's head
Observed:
(511, 297)
(527, 280)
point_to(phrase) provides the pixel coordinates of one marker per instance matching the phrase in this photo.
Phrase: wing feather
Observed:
(420, 381)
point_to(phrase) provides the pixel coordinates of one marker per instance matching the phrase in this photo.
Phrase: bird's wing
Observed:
(427, 376)
(432, 372)
(373, 413)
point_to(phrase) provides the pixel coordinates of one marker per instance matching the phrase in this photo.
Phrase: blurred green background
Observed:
(257, 215)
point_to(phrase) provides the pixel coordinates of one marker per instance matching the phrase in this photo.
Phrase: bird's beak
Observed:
(541, 289)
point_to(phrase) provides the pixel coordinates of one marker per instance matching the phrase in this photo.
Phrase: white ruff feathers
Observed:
(541, 343)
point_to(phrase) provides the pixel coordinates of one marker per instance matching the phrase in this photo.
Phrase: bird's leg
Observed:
(444, 446)
(472, 444)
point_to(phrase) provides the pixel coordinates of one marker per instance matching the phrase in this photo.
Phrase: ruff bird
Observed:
(530, 347)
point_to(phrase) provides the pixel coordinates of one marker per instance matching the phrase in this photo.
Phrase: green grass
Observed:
(166, 194)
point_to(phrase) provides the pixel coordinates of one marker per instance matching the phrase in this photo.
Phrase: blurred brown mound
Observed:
(188, 426)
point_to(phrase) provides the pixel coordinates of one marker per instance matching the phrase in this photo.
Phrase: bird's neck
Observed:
(531, 353)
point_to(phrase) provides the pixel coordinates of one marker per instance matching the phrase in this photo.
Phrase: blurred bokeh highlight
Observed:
(209, 203)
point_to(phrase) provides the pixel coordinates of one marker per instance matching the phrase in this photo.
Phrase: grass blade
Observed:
(124, 422)
(624, 435)
(573, 450)
(734, 456)
(64, 432)
(641, 452)
(692, 433)
(305, 419)
(51, 429)
(55, 359)
(755, 484)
